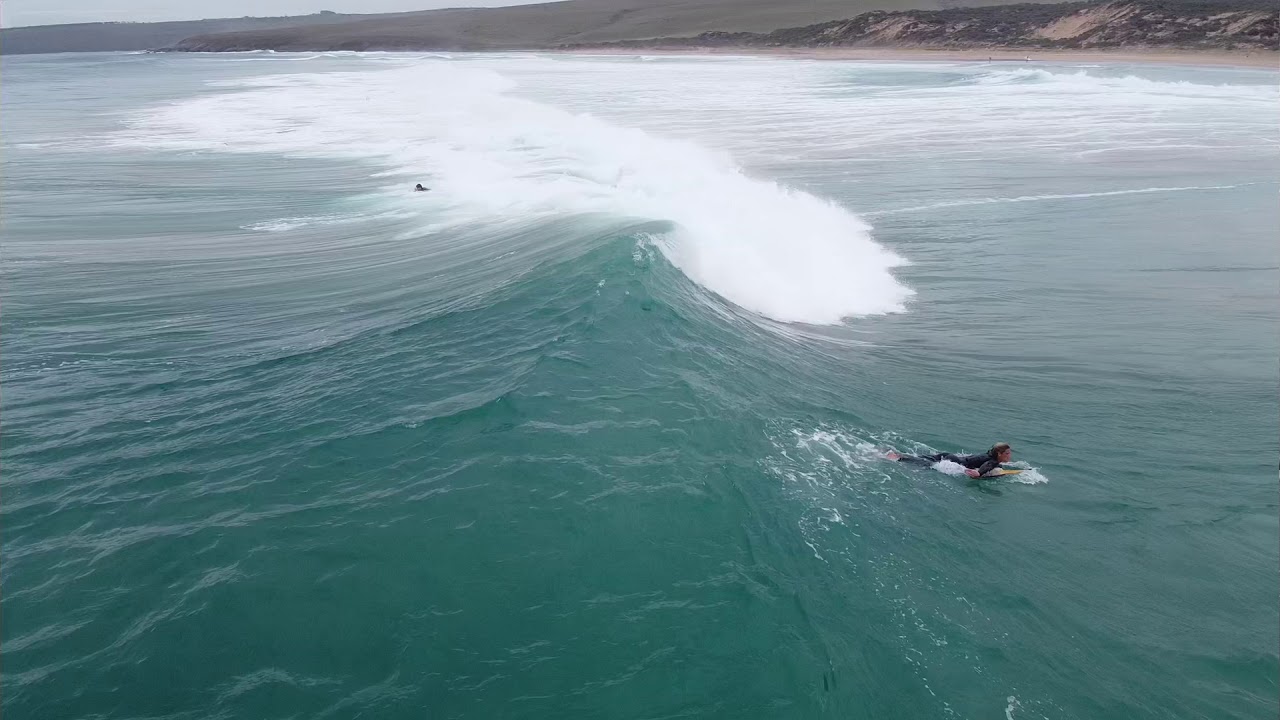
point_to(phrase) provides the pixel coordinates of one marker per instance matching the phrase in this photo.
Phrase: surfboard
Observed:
(1002, 473)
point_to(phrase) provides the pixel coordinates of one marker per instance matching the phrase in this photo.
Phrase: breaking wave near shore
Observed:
(489, 155)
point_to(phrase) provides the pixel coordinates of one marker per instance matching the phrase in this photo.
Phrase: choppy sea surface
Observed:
(593, 428)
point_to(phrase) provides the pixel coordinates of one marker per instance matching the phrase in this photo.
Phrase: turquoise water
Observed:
(592, 428)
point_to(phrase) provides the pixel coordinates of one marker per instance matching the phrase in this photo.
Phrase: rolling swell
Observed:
(467, 410)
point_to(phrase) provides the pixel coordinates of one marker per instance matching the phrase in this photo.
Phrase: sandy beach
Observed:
(1162, 56)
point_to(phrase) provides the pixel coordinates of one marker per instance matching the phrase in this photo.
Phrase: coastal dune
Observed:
(549, 25)
(1234, 28)
(1135, 25)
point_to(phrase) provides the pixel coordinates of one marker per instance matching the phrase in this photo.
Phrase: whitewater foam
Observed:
(1104, 84)
(782, 253)
(286, 224)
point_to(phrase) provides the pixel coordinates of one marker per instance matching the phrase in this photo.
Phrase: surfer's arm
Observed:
(984, 468)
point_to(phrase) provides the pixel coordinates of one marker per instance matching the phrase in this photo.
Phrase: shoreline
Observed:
(1208, 58)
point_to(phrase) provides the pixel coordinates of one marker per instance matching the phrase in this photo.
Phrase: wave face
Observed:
(598, 425)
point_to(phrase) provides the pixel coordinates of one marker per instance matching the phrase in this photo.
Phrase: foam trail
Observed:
(293, 223)
(1041, 198)
(781, 253)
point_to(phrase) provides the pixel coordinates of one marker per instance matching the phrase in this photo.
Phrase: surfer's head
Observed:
(1001, 452)
(419, 188)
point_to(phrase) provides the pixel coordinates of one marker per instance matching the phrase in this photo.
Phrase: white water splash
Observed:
(1028, 476)
(1010, 707)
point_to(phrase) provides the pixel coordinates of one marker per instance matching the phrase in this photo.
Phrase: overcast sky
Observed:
(49, 12)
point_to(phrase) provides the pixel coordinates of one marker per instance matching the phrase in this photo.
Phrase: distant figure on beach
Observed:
(419, 188)
(976, 466)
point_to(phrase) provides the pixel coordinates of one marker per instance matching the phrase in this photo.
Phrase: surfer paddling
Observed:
(975, 466)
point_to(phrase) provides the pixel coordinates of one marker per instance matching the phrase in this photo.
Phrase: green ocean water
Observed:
(592, 429)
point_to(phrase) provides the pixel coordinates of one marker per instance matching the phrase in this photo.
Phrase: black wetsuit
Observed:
(983, 463)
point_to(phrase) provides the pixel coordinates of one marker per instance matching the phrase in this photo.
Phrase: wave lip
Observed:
(784, 254)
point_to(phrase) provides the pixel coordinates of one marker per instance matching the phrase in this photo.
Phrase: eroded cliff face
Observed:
(1121, 24)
